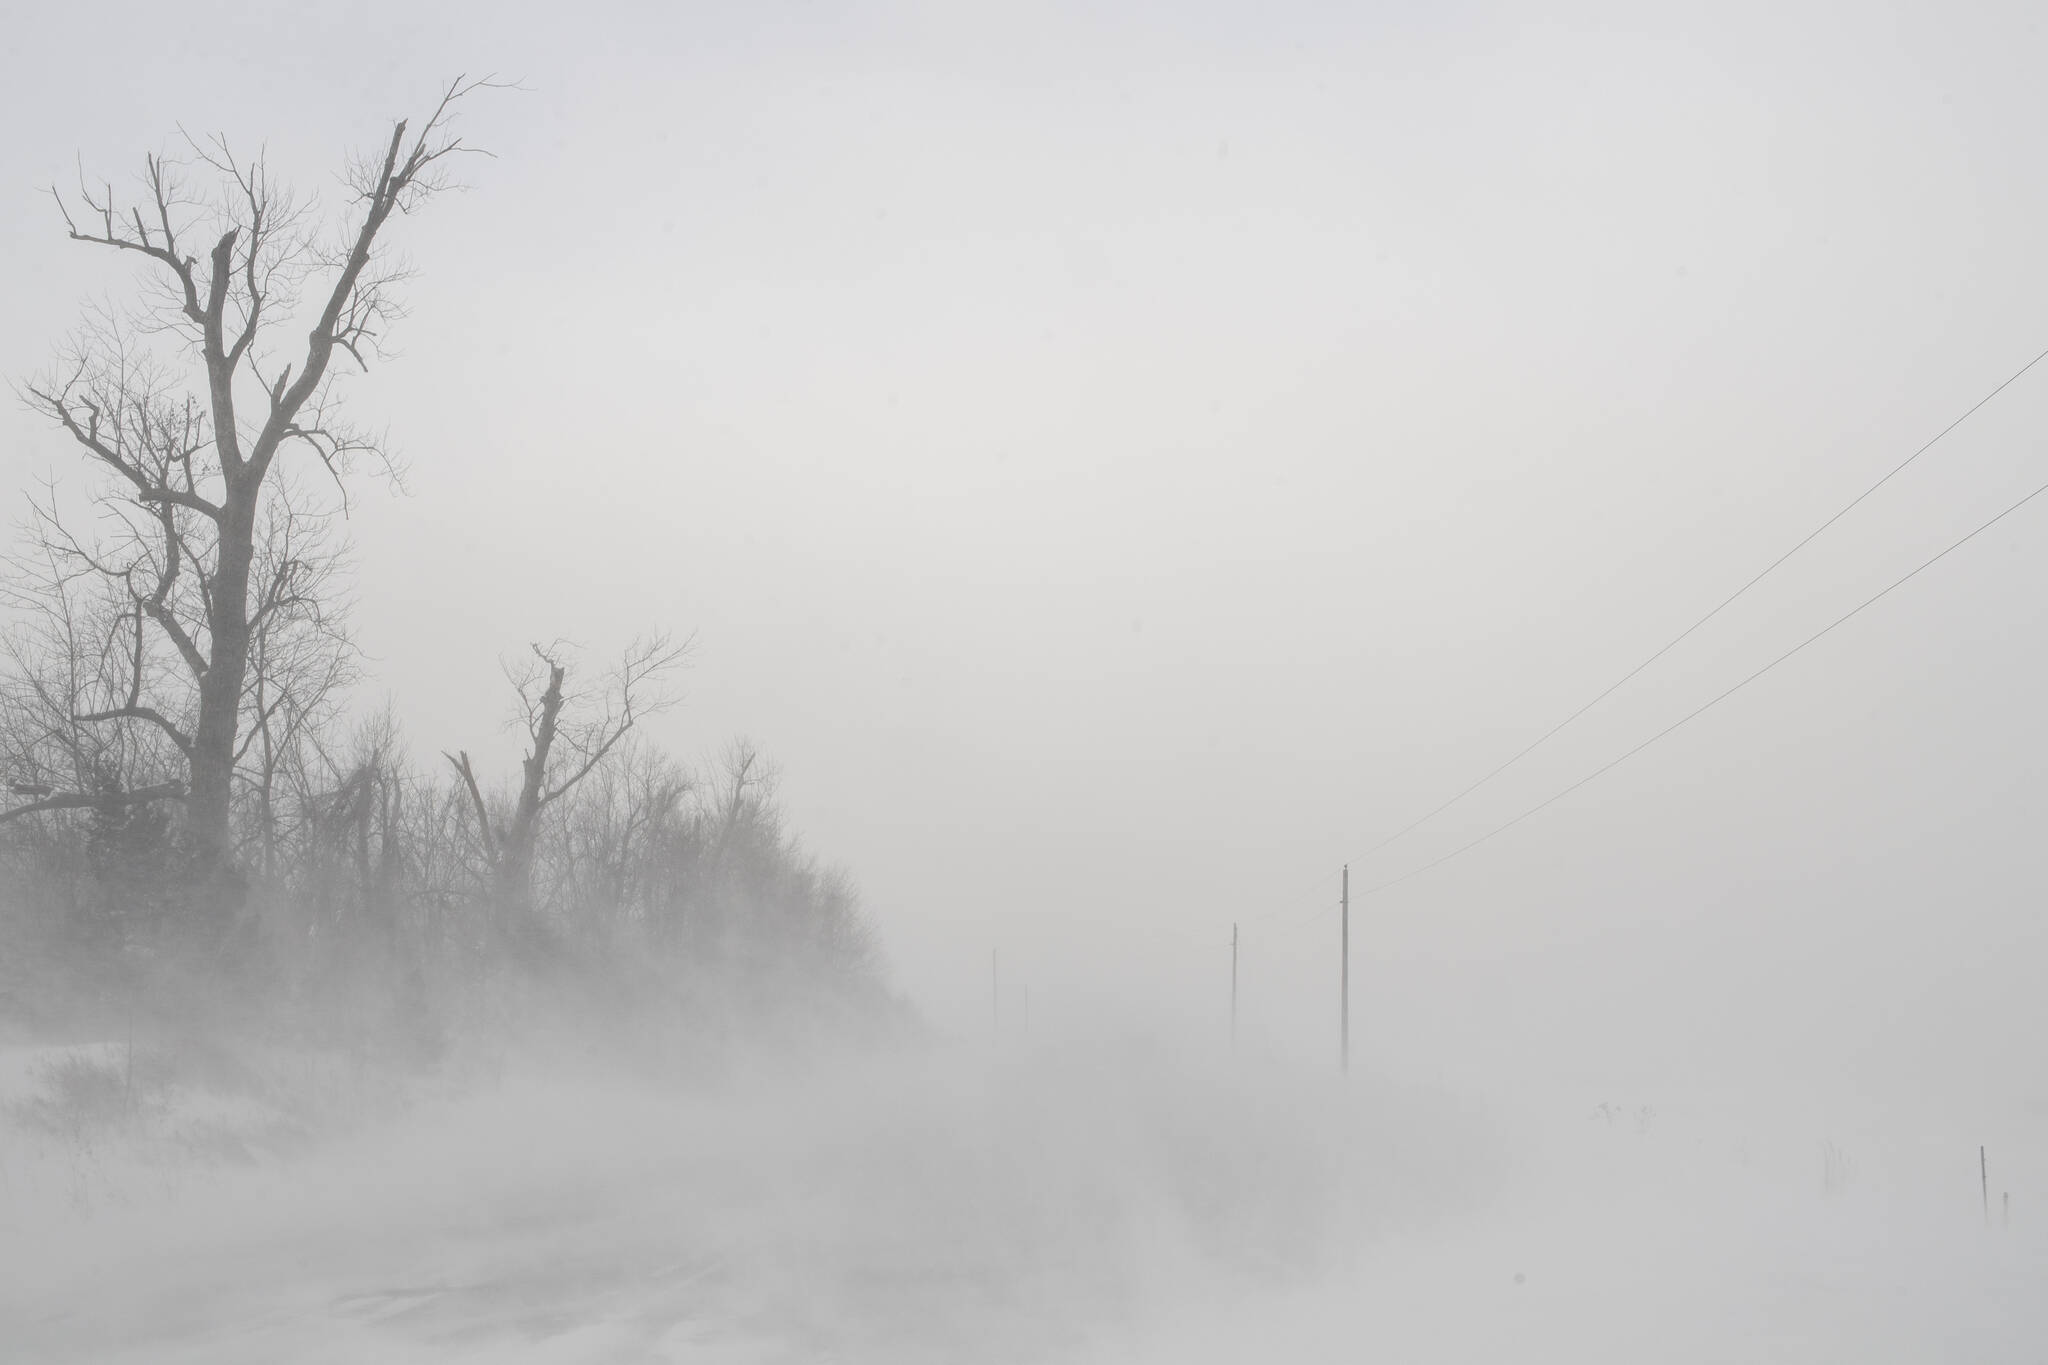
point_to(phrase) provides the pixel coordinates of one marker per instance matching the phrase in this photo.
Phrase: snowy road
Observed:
(1036, 1214)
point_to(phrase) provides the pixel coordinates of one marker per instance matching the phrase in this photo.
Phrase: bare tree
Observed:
(302, 660)
(193, 468)
(109, 703)
(627, 808)
(569, 735)
(72, 652)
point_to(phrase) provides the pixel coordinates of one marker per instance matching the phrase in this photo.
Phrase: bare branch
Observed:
(88, 435)
(146, 713)
(625, 703)
(162, 791)
(162, 190)
(460, 762)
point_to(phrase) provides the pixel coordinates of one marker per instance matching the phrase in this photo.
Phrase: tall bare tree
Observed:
(193, 466)
(569, 735)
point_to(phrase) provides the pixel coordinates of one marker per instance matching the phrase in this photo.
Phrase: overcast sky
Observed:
(1125, 460)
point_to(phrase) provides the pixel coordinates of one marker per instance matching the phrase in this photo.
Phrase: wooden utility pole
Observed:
(1344, 1005)
(1233, 984)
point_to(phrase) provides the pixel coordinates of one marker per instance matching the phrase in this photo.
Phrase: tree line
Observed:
(190, 810)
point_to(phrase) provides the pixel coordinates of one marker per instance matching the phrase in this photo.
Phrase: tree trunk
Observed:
(208, 808)
(522, 833)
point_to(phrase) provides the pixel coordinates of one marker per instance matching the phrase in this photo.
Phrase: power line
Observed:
(1720, 607)
(1708, 705)
(1328, 907)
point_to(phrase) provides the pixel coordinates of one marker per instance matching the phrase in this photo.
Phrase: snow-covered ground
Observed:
(1696, 1237)
(1083, 1203)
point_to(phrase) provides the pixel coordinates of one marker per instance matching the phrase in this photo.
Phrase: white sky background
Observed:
(1123, 465)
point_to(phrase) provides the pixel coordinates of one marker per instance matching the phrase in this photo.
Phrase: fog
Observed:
(1115, 469)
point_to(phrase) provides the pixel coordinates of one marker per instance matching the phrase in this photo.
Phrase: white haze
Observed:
(1123, 462)
(1116, 1201)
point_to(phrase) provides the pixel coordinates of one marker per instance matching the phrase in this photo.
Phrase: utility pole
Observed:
(1345, 989)
(1233, 984)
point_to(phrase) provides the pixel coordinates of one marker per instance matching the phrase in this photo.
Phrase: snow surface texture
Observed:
(1079, 1203)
